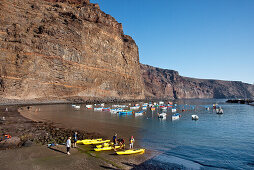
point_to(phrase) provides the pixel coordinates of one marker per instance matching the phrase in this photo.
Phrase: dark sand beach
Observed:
(30, 151)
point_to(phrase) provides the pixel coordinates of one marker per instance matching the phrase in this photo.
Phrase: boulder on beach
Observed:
(10, 143)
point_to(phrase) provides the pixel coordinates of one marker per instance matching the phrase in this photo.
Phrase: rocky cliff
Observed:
(65, 48)
(163, 83)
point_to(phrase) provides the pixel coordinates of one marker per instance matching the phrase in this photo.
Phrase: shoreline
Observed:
(35, 135)
(17, 102)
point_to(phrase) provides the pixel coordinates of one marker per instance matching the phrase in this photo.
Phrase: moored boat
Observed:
(173, 110)
(98, 109)
(194, 117)
(144, 108)
(176, 116)
(125, 112)
(89, 106)
(116, 110)
(139, 113)
(162, 115)
(106, 109)
(219, 110)
(134, 108)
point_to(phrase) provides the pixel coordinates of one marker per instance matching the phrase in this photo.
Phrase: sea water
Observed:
(214, 141)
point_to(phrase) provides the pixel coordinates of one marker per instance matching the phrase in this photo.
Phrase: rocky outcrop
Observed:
(65, 48)
(163, 83)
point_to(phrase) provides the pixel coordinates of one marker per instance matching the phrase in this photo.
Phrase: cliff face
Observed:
(163, 83)
(65, 48)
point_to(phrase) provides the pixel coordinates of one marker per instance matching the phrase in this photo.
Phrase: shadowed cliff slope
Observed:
(65, 48)
(164, 83)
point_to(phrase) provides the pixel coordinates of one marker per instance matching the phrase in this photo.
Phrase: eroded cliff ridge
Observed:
(164, 83)
(65, 48)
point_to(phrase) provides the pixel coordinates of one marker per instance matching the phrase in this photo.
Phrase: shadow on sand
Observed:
(56, 150)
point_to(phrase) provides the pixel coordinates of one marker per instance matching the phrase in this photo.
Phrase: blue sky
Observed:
(210, 39)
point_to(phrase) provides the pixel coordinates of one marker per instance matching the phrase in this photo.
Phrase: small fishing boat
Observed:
(219, 110)
(176, 116)
(194, 117)
(106, 109)
(116, 110)
(144, 108)
(134, 108)
(89, 106)
(125, 112)
(161, 103)
(173, 110)
(162, 115)
(132, 151)
(164, 108)
(139, 113)
(77, 107)
(98, 109)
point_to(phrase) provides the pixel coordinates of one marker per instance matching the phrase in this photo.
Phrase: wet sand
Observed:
(41, 157)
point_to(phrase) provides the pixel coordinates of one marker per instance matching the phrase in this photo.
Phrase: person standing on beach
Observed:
(115, 141)
(132, 142)
(75, 137)
(68, 145)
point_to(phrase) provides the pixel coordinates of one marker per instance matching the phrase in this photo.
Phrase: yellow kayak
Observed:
(108, 148)
(105, 145)
(88, 140)
(132, 151)
(95, 142)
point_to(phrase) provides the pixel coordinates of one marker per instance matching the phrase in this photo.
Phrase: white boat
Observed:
(116, 110)
(161, 103)
(252, 104)
(144, 108)
(139, 113)
(173, 110)
(98, 109)
(77, 107)
(89, 106)
(176, 116)
(194, 117)
(134, 108)
(219, 110)
(164, 108)
(162, 115)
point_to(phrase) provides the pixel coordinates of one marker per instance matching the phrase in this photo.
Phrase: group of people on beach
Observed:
(120, 142)
(68, 142)
(117, 142)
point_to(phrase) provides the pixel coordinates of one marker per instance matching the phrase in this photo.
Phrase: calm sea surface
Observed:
(213, 141)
